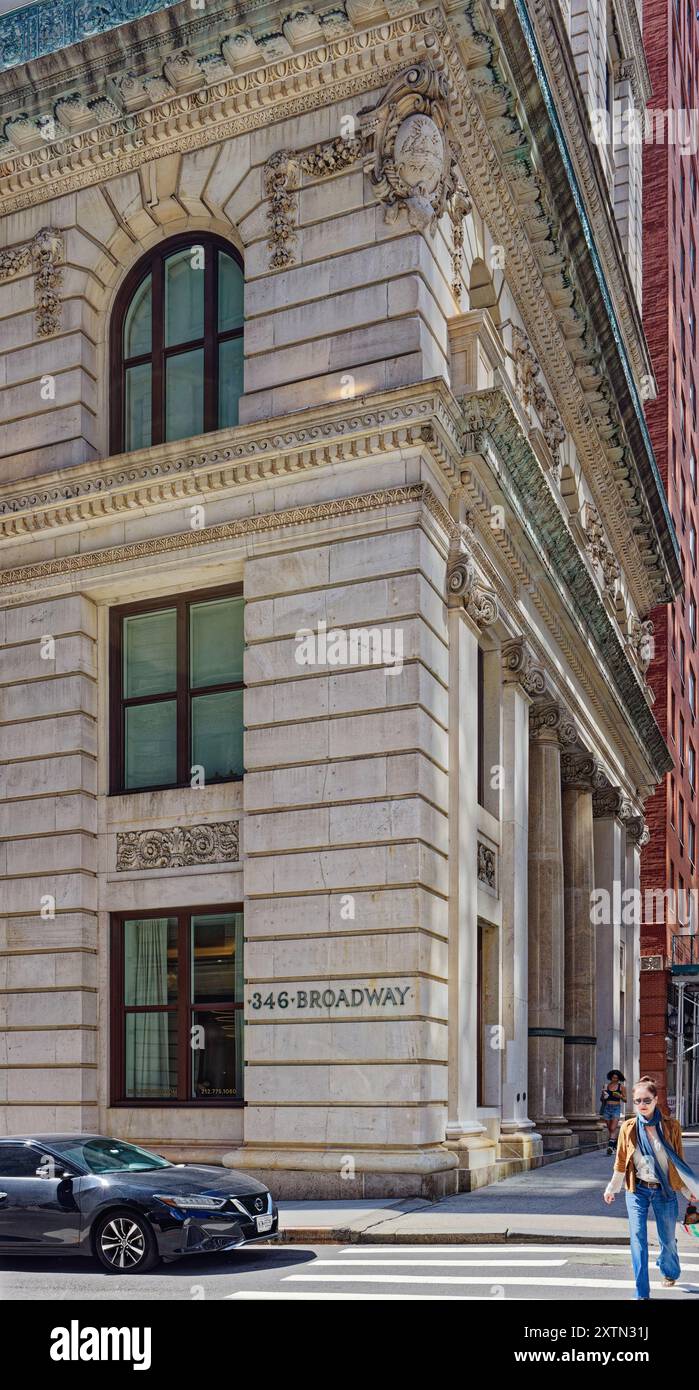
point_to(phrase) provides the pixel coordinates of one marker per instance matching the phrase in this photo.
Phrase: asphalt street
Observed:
(559, 1273)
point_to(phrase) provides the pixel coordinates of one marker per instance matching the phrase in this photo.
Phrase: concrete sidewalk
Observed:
(559, 1202)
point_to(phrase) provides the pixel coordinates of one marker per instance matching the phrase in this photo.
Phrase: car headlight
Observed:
(193, 1203)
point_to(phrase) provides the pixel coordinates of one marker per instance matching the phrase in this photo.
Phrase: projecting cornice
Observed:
(491, 425)
(419, 416)
(585, 354)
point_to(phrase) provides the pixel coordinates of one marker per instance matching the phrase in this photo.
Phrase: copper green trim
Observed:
(659, 497)
(493, 426)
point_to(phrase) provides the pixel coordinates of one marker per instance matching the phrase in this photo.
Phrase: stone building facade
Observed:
(324, 322)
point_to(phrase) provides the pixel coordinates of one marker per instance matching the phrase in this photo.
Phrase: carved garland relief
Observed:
(43, 255)
(178, 846)
(407, 155)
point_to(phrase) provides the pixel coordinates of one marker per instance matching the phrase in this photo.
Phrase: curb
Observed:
(328, 1235)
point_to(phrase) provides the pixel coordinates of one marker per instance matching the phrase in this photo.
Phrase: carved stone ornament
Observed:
(43, 255)
(518, 665)
(462, 580)
(282, 178)
(578, 770)
(551, 720)
(532, 393)
(640, 641)
(178, 846)
(598, 547)
(610, 801)
(487, 866)
(411, 162)
(637, 831)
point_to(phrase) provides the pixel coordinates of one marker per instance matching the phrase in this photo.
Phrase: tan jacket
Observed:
(626, 1143)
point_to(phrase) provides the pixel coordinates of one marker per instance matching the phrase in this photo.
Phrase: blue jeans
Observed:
(638, 1205)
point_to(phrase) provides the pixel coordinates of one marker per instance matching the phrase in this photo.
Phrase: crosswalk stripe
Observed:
(491, 1248)
(510, 1279)
(371, 1297)
(414, 1264)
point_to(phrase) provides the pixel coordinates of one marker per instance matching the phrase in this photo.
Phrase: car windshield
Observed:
(110, 1156)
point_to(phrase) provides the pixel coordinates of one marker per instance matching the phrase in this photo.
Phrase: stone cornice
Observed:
(419, 416)
(262, 524)
(334, 69)
(510, 572)
(506, 183)
(553, 38)
(492, 425)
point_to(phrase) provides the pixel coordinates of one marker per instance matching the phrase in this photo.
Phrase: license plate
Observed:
(264, 1223)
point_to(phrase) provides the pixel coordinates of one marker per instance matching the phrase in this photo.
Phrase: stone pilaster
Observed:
(470, 606)
(611, 812)
(637, 837)
(550, 731)
(522, 681)
(579, 1053)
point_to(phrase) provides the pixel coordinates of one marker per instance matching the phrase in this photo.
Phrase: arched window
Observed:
(177, 344)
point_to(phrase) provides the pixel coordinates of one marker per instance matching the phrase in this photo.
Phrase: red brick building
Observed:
(670, 306)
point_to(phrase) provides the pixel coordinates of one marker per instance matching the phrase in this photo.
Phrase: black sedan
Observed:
(84, 1194)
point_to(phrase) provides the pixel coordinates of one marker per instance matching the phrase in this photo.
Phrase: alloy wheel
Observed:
(123, 1243)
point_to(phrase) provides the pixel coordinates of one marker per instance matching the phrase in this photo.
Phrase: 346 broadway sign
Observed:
(382, 996)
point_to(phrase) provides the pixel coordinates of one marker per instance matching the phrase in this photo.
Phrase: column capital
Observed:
(463, 586)
(579, 769)
(637, 831)
(549, 721)
(518, 667)
(610, 801)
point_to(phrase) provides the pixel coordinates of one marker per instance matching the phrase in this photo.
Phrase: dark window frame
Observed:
(183, 1009)
(154, 263)
(183, 693)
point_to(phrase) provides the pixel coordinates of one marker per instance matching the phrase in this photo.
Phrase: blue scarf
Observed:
(644, 1143)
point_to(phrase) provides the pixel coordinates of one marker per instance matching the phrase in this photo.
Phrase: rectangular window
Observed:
(680, 821)
(691, 765)
(177, 691)
(692, 686)
(681, 741)
(177, 1007)
(691, 841)
(672, 801)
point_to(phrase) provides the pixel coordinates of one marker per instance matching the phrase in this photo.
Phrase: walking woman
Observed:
(650, 1161)
(612, 1098)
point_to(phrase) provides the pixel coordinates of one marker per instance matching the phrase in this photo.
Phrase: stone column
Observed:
(550, 731)
(470, 608)
(637, 836)
(580, 1042)
(610, 811)
(521, 682)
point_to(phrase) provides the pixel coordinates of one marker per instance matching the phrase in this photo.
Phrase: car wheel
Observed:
(125, 1244)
